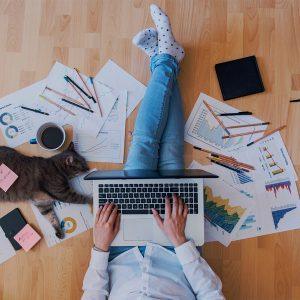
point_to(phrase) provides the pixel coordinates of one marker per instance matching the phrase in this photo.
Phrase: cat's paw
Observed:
(89, 200)
(60, 234)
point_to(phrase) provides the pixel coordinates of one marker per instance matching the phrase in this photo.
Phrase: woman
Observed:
(152, 271)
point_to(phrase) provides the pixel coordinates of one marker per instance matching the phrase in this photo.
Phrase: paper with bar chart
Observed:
(203, 130)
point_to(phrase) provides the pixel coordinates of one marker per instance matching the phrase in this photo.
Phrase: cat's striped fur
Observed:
(48, 175)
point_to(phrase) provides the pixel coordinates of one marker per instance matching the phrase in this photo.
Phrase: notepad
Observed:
(27, 237)
(7, 177)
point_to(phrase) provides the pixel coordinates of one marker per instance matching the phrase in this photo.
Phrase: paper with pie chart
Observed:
(74, 218)
(17, 124)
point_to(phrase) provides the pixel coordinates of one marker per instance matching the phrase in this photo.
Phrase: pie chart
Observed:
(69, 224)
(11, 131)
(6, 118)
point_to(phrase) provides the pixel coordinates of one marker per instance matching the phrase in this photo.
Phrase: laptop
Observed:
(135, 192)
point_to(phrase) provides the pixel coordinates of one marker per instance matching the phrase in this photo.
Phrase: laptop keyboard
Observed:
(139, 198)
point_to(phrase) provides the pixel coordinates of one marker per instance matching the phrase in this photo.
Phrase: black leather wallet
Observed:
(12, 223)
(240, 77)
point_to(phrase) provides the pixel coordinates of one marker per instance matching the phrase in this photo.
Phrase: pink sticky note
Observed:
(27, 237)
(7, 177)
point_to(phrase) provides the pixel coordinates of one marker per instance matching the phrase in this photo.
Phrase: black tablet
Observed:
(240, 77)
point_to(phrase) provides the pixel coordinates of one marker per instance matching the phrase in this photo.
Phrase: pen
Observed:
(35, 110)
(67, 78)
(296, 100)
(77, 105)
(240, 113)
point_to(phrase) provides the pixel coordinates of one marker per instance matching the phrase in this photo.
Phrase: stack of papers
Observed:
(241, 205)
(98, 135)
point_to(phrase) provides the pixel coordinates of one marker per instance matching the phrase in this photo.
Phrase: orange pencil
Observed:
(91, 94)
(242, 134)
(96, 95)
(63, 95)
(75, 89)
(216, 117)
(267, 134)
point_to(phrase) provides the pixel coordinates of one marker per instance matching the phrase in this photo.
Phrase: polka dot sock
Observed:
(166, 41)
(147, 41)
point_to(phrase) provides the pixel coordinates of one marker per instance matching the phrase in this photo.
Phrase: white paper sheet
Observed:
(109, 144)
(74, 218)
(84, 121)
(276, 205)
(203, 130)
(18, 126)
(118, 79)
(6, 249)
(225, 209)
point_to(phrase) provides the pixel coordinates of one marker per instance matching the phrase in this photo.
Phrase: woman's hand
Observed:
(175, 220)
(107, 225)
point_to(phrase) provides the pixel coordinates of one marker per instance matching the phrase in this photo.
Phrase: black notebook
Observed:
(11, 224)
(240, 77)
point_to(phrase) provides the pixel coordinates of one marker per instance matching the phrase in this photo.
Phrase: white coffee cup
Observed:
(49, 136)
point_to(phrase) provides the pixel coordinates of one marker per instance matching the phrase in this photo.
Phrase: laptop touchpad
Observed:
(138, 229)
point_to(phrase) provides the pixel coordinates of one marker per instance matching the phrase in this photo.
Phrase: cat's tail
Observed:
(45, 207)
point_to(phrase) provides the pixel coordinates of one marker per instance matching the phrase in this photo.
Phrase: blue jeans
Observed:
(159, 127)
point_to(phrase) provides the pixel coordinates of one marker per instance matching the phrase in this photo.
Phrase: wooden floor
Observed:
(85, 34)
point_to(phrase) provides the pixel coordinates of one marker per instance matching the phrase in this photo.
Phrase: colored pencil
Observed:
(91, 94)
(267, 134)
(216, 117)
(226, 166)
(241, 134)
(225, 157)
(67, 78)
(75, 89)
(63, 95)
(212, 153)
(96, 95)
(296, 100)
(240, 113)
(232, 164)
(35, 110)
(248, 125)
(79, 106)
(57, 105)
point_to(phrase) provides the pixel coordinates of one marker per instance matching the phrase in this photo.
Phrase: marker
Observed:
(35, 110)
(240, 113)
(67, 78)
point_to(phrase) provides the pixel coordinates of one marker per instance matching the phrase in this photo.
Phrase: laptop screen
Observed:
(148, 174)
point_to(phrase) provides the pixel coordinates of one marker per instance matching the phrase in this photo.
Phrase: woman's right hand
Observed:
(173, 225)
(107, 226)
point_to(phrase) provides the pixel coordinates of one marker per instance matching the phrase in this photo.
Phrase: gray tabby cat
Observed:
(48, 175)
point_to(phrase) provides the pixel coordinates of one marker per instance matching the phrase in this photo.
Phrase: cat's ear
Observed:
(71, 147)
(69, 160)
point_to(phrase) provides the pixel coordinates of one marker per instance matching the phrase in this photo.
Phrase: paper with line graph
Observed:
(203, 130)
(108, 146)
